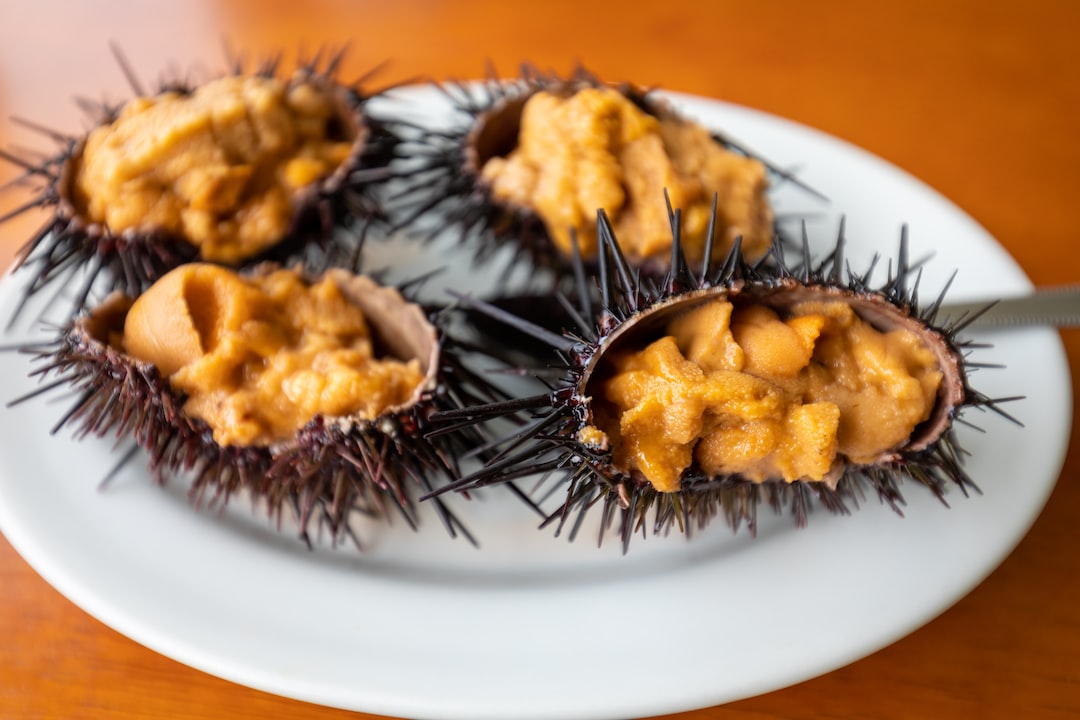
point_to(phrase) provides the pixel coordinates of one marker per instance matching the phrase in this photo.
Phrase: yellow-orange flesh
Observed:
(218, 168)
(741, 390)
(258, 358)
(596, 150)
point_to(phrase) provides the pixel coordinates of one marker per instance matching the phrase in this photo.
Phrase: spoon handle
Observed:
(1057, 306)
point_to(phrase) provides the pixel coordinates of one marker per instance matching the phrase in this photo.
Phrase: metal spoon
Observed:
(1057, 306)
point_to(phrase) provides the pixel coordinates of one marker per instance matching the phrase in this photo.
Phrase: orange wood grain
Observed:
(980, 99)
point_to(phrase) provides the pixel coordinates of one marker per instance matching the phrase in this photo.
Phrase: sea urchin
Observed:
(241, 169)
(536, 156)
(714, 391)
(312, 395)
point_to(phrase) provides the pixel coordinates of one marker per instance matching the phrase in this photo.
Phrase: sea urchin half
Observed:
(241, 169)
(310, 395)
(537, 156)
(715, 391)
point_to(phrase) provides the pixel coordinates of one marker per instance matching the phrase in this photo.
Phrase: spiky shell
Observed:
(330, 217)
(331, 471)
(547, 441)
(446, 181)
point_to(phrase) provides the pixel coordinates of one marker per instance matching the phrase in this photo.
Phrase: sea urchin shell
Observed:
(584, 144)
(314, 151)
(330, 470)
(562, 433)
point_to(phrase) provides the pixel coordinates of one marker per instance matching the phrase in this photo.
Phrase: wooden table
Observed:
(979, 98)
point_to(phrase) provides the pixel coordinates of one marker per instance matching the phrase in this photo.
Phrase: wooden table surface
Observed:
(978, 98)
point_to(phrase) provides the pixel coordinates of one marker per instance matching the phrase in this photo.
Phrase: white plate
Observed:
(530, 626)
